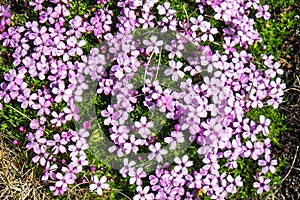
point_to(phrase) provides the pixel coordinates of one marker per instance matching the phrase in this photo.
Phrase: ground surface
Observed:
(290, 141)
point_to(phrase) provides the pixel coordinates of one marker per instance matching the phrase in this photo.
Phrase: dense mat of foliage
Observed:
(183, 93)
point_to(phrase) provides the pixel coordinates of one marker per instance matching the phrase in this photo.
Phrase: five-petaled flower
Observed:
(143, 127)
(268, 164)
(153, 44)
(262, 185)
(175, 70)
(157, 152)
(99, 185)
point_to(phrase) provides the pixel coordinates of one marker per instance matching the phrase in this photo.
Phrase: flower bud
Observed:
(21, 129)
(93, 168)
(87, 125)
(26, 7)
(177, 127)
(263, 48)
(142, 50)
(16, 142)
(83, 180)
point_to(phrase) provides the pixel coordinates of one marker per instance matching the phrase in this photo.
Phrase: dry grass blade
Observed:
(16, 182)
(292, 165)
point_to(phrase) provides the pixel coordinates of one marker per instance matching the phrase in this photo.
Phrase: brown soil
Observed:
(290, 140)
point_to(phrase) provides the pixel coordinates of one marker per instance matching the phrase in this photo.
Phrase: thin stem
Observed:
(187, 17)
(147, 67)
(213, 17)
(298, 79)
(193, 13)
(121, 193)
(292, 89)
(159, 59)
(216, 43)
(248, 95)
(24, 116)
(152, 31)
(260, 64)
(139, 95)
(20, 113)
(292, 165)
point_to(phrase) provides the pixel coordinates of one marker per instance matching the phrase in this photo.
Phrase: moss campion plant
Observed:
(193, 64)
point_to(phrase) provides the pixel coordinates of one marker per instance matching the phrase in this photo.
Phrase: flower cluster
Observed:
(5, 17)
(208, 113)
(44, 49)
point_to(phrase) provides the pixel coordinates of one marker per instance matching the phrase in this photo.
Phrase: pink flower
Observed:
(64, 180)
(10, 38)
(80, 162)
(205, 27)
(99, 185)
(128, 166)
(49, 171)
(157, 152)
(57, 144)
(196, 22)
(153, 44)
(166, 103)
(144, 126)
(143, 194)
(263, 12)
(262, 185)
(110, 115)
(176, 137)
(42, 106)
(58, 119)
(194, 67)
(229, 45)
(175, 70)
(232, 183)
(268, 164)
(146, 21)
(71, 112)
(61, 92)
(264, 125)
(183, 164)
(136, 175)
(41, 155)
